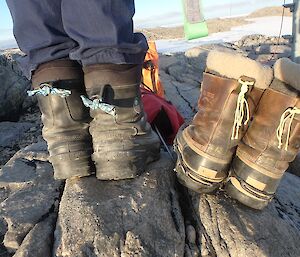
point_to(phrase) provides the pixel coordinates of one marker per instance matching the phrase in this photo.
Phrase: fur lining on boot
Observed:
(233, 66)
(288, 72)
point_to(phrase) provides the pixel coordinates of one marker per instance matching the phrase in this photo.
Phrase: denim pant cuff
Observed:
(112, 56)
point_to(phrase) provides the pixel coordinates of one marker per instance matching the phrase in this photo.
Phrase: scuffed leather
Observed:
(211, 128)
(260, 144)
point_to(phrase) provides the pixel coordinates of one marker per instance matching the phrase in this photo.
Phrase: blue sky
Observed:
(158, 12)
(148, 8)
(142, 7)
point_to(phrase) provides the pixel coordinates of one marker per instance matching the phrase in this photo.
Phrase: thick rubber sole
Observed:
(128, 165)
(73, 165)
(199, 186)
(125, 159)
(70, 152)
(192, 178)
(235, 190)
(238, 187)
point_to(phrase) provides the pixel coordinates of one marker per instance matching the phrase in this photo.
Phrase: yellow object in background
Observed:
(150, 72)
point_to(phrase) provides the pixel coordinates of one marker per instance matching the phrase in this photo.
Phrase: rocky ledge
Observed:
(148, 216)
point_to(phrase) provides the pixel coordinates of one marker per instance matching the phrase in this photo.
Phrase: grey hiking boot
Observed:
(58, 86)
(123, 141)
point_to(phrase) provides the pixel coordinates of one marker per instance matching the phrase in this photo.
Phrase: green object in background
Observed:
(194, 23)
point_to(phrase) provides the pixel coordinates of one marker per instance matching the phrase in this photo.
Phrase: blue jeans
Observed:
(89, 31)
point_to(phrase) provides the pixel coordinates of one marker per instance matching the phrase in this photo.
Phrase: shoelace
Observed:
(46, 89)
(240, 108)
(288, 114)
(98, 104)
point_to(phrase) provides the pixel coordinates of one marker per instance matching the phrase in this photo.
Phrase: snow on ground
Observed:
(268, 26)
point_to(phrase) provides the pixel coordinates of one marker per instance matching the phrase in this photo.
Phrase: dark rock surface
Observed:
(13, 97)
(294, 167)
(28, 194)
(38, 241)
(140, 217)
(12, 132)
(17, 135)
(228, 228)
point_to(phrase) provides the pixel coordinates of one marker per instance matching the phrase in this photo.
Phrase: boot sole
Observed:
(122, 171)
(68, 166)
(234, 189)
(191, 178)
(198, 186)
(238, 189)
(126, 163)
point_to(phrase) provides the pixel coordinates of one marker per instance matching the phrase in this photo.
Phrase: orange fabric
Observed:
(150, 71)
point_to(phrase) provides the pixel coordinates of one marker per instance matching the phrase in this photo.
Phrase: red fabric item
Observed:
(162, 114)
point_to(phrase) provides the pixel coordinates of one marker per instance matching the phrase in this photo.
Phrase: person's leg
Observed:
(39, 32)
(112, 56)
(58, 83)
(104, 31)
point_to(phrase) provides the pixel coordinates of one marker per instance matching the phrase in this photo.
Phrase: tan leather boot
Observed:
(58, 86)
(271, 142)
(231, 89)
(123, 140)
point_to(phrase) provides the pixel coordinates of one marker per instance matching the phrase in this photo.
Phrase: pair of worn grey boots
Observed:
(94, 120)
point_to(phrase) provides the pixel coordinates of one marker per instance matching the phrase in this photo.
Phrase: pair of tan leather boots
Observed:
(247, 129)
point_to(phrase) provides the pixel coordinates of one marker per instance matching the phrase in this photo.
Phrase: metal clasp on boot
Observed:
(246, 85)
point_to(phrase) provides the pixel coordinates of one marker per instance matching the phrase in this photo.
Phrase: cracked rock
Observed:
(139, 217)
(31, 193)
(232, 229)
(38, 241)
(13, 88)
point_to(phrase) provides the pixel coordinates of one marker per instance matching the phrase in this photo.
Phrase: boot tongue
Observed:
(287, 72)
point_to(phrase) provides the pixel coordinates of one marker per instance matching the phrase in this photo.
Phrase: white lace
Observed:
(240, 108)
(289, 114)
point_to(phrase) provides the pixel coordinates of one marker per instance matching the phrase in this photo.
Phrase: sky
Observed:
(153, 13)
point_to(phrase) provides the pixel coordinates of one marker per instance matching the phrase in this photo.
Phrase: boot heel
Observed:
(198, 185)
(123, 164)
(249, 186)
(190, 171)
(124, 160)
(72, 165)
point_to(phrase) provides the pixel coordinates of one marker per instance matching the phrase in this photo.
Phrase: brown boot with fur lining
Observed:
(271, 142)
(231, 89)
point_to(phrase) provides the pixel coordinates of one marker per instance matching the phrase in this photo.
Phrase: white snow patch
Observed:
(268, 26)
